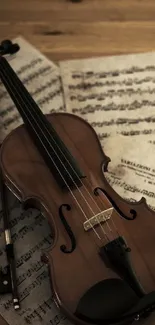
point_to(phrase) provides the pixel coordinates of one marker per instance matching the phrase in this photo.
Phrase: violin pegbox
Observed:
(7, 47)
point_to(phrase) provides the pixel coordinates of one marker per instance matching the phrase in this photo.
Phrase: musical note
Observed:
(42, 79)
(116, 95)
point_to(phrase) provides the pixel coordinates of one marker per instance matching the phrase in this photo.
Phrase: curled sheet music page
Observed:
(116, 94)
(42, 79)
(131, 172)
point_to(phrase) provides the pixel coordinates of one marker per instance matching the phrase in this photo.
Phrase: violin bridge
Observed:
(101, 217)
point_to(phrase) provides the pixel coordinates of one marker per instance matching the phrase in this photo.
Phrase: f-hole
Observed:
(132, 211)
(63, 247)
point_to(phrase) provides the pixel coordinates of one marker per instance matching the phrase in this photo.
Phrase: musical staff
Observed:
(116, 95)
(42, 79)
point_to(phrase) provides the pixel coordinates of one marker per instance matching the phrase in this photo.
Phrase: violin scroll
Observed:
(7, 47)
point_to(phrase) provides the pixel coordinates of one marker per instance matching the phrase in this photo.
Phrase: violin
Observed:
(102, 260)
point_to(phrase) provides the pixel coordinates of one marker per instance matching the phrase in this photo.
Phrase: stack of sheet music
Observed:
(116, 95)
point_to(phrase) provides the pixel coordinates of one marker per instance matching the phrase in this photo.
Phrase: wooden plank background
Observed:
(64, 30)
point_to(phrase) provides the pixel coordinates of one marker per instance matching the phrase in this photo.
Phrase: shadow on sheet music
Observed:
(30, 235)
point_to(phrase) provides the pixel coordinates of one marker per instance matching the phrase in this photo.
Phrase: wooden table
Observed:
(64, 30)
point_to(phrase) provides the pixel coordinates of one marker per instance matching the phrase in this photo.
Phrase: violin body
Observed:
(76, 259)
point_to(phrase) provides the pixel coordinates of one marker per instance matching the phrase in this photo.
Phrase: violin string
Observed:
(80, 180)
(84, 186)
(73, 169)
(79, 190)
(90, 195)
(111, 219)
(106, 221)
(10, 88)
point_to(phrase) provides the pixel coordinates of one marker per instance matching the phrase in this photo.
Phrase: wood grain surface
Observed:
(64, 30)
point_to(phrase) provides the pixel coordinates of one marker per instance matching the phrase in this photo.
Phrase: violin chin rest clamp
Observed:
(111, 301)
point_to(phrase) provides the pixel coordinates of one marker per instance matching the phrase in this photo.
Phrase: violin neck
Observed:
(49, 144)
(22, 99)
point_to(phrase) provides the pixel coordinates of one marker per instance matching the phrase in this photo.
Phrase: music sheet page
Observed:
(115, 94)
(131, 171)
(42, 79)
(31, 233)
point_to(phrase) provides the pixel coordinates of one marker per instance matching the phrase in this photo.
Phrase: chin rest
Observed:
(112, 301)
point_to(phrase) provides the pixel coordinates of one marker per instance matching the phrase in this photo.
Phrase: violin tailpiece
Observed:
(117, 253)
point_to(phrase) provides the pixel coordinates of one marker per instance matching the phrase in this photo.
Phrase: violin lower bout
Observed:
(75, 272)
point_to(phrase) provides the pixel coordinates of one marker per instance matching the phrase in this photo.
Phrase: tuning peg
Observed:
(7, 47)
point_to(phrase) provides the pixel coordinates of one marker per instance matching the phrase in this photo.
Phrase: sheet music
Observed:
(30, 231)
(131, 171)
(42, 79)
(31, 235)
(116, 94)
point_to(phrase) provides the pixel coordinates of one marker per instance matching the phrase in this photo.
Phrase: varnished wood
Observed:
(64, 30)
(28, 177)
